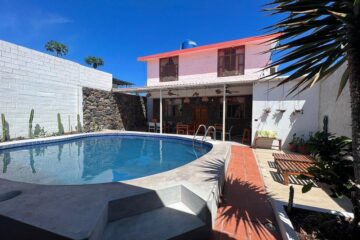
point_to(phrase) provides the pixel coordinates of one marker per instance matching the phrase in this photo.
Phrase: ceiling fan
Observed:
(196, 94)
(170, 93)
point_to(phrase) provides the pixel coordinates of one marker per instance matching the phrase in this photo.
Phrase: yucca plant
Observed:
(316, 38)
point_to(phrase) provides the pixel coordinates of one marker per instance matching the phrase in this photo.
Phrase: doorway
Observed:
(201, 115)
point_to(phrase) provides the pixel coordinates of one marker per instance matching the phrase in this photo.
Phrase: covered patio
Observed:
(182, 108)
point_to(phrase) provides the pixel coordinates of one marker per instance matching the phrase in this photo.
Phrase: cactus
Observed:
(31, 135)
(79, 127)
(60, 126)
(291, 200)
(37, 130)
(5, 128)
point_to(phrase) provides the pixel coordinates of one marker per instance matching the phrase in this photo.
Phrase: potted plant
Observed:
(281, 110)
(267, 110)
(292, 146)
(298, 111)
(303, 147)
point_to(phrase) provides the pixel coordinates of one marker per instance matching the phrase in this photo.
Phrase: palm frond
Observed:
(314, 39)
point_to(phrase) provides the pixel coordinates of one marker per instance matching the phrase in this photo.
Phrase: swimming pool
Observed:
(97, 159)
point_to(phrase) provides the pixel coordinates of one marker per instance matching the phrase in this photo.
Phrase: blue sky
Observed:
(120, 31)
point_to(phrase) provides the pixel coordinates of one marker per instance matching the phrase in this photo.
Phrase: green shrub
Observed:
(333, 163)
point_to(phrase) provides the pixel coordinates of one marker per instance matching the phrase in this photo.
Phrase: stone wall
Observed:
(108, 110)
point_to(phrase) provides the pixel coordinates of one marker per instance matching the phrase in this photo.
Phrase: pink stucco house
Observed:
(225, 85)
(232, 61)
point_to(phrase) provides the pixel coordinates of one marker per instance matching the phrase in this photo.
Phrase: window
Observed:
(231, 61)
(169, 69)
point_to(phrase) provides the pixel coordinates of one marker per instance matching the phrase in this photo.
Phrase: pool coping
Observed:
(49, 207)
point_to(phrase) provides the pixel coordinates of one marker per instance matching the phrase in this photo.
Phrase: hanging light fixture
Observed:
(205, 99)
(148, 95)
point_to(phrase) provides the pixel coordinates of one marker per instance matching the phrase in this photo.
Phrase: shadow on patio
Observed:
(245, 211)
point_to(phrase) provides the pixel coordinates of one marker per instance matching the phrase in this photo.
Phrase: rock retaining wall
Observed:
(108, 110)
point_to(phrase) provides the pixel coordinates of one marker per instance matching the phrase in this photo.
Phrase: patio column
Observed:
(161, 113)
(224, 113)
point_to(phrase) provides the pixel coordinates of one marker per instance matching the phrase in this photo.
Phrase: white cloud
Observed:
(29, 20)
(48, 20)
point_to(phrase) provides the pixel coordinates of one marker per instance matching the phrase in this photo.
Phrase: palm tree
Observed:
(57, 47)
(317, 37)
(94, 61)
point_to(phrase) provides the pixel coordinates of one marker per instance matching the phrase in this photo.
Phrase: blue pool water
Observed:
(97, 159)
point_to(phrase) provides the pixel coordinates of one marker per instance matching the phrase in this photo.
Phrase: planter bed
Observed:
(310, 223)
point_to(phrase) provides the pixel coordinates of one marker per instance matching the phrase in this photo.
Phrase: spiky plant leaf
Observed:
(314, 39)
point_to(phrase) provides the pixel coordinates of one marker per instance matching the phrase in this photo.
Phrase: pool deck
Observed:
(80, 211)
(245, 209)
(318, 198)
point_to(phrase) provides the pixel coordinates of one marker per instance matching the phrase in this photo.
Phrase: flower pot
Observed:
(292, 147)
(303, 149)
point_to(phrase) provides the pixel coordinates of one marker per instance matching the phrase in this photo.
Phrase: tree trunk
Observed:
(354, 65)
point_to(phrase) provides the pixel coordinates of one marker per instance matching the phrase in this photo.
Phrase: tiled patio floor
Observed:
(245, 208)
(317, 197)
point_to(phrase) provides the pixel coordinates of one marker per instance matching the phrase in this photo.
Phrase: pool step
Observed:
(171, 213)
(170, 222)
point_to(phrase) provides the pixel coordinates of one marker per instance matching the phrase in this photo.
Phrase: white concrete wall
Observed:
(201, 67)
(337, 110)
(285, 124)
(50, 85)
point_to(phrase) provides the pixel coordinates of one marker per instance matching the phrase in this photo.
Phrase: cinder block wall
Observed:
(50, 85)
(338, 110)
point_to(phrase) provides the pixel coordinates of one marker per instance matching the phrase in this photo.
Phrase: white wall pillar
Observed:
(224, 113)
(161, 113)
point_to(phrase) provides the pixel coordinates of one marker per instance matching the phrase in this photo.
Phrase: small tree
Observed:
(94, 61)
(56, 47)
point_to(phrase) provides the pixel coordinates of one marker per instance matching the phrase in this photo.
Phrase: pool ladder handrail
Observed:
(207, 130)
(197, 130)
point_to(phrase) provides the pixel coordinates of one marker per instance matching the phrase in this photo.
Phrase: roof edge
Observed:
(210, 46)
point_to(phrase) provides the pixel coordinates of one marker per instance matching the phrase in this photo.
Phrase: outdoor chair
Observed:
(157, 127)
(292, 164)
(191, 129)
(246, 136)
(182, 129)
(228, 133)
(151, 127)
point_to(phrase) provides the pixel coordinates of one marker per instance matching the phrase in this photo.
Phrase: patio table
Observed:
(292, 164)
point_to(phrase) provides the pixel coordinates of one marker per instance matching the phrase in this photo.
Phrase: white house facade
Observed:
(224, 85)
